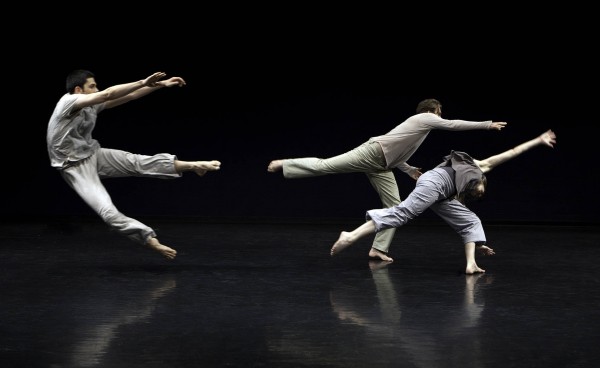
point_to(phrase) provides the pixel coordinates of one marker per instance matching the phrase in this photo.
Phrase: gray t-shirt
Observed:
(464, 166)
(69, 134)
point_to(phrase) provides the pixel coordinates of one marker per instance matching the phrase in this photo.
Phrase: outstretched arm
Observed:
(146, 89)
(548, 138)
(119, 94)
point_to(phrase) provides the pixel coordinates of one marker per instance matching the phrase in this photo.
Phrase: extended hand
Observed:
(153, 79)
(548, 138)
(416, 173)
(484, 250)
(173, 81)
(498, 125)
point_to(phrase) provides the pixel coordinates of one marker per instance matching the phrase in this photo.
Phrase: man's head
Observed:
(81, 81)
(430, 105)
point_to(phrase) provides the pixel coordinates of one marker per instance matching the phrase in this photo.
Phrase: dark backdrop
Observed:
(262, 94)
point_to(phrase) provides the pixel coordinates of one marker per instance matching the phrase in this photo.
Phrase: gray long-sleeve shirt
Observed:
(400, 143)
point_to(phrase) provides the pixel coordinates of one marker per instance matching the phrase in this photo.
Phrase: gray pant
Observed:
(431, 191)
(84, 177)
(366, 158)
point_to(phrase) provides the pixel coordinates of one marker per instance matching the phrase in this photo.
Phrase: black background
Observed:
(299, 84)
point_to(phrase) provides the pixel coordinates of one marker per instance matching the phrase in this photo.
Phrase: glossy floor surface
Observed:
(75, 294)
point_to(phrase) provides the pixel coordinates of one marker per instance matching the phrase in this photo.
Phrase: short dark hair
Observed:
(428, 105)
(77, 78)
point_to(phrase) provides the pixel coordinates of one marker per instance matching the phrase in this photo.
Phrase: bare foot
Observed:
(167, 252)
(344, 241)
(202, 167)
(275, 165)
(377, 265)
(473, 268)
(483, 250)
(374, 253)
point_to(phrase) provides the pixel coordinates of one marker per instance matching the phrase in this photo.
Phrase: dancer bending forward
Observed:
(445, 189)
(379, 155)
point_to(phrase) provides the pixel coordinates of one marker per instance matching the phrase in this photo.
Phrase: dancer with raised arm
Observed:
(82, 162)
(445, 189)
(379, 155)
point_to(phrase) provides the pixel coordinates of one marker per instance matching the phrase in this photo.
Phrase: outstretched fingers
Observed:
(484, 250)
(153, 79)
(498, 125)
(548, 138)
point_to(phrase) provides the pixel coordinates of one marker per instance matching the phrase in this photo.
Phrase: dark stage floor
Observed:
(75, 294)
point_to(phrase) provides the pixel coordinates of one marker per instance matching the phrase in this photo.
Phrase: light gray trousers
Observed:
(431, 191)
(366, 158)
(84, 177)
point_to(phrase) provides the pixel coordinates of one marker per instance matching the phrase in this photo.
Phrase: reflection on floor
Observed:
(269, 295)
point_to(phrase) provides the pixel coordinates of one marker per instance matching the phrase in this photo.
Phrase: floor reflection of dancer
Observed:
(445, 189)
(379, 155)
(386, 294)
(413, 327)
(359, 309)
(134, 307)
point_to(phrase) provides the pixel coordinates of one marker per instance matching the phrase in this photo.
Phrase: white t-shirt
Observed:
(69, 134)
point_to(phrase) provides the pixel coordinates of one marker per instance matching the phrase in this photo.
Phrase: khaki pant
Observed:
(367, 158)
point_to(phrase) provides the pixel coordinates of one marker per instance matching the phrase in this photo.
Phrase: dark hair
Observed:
(77, 78)
(428, 105)
(467, 193)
